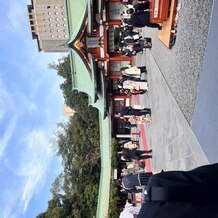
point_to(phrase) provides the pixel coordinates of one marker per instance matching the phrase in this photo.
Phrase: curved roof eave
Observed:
(94, 75)
(81, 74)
(80, 32)
(104, 93)
(90, 17)
(101, 103)
(76, 15)
(105, 177)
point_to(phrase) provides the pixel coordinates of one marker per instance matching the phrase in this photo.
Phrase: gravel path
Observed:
(181, 66)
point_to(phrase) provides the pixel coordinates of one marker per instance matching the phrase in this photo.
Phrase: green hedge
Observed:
(113, 213)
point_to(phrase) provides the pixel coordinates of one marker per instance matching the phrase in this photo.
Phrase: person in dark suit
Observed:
(128, 31)
(131, 181)
(123, 78)
(130, 155)
(182, 194)
(133, 2)
(127, 52)
(140, 19)
(129, 111)
(130, 39)
(141, 44)
(141, 6)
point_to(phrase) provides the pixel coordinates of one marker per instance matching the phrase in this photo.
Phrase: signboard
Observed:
(115, 173)
(93, 42)
(156, 8)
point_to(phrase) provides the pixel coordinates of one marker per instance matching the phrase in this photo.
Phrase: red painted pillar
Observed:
(117, 58)
(111, 1)
(112, 23)
(114, 76)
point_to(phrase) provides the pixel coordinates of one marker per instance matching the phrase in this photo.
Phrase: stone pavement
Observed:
(174, 145)
(205, 119)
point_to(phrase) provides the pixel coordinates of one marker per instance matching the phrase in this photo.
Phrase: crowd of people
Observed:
(133, 81)
(132, 177)
(131, 43)
(165, 194)
(136, 16)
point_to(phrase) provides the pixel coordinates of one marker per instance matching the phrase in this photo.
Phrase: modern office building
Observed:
(67, 111)
(49, 25)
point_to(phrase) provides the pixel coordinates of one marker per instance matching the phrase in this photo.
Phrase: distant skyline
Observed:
(30, 107)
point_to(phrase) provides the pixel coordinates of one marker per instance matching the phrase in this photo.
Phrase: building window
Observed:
(65, 36)
(64, 24)
(50, 24)
(58, 36)
(55, 7)
(63, 19)
(64, 30)
(49, 13)
(52, 36)
(58, 31)
(57, 19)
(48, 7)
(57, 24)
(51, 30)
(49, 19)
(56, 13)
(63, 13)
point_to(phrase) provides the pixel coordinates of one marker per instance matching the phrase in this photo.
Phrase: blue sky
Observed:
(30, 108)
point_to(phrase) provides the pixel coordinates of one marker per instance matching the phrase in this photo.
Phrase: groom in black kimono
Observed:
(179, 194)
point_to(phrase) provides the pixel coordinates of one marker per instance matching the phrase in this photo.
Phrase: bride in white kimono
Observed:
(135, 85)
(132, 71)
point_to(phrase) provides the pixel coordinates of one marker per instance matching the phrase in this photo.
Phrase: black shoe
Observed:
(149, 151)
(160, 27)
(148, 110)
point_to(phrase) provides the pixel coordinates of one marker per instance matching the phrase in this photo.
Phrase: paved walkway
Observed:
(174, 145)
(205, 120)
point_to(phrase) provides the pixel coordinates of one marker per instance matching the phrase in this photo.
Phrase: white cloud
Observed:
(5, 103)
(31, 169)
(4, 141)
(12, 107)
(2, 112)
(35, 160)
(3, 94)
(25, 104)
(16, 14)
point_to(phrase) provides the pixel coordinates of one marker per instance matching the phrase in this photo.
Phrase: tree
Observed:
(75, 190)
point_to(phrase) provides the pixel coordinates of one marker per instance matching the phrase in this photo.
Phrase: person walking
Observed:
(139, 119)
(129, 111)
(140, 19)
(130, 145)
(132, 181)
(124, 78)
(141, 6)
(135, 85)
(130, 155)
(133, 70)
